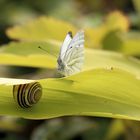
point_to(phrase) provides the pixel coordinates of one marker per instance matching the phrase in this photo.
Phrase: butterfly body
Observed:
(71, 57)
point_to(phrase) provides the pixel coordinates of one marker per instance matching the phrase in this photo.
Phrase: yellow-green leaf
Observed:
(28, 54)
(101, 92)
(117, 21)
(43, 29)
(54, 31)
(127, 44)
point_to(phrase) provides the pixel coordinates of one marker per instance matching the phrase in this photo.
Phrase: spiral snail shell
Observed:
(27, 94)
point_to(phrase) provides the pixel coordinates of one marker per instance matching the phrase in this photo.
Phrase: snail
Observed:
(26, 95)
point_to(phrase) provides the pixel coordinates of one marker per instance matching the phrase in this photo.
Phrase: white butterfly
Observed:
(71, 56)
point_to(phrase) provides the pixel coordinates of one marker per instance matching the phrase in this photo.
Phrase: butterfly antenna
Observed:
(46, 51)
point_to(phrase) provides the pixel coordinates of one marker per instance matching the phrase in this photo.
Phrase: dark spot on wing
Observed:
(70, 34)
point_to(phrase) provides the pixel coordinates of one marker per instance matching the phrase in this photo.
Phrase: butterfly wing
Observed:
(78, 40)
(65, 45)
(74, 56)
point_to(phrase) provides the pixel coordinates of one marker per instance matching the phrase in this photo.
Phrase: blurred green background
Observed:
(83, 13)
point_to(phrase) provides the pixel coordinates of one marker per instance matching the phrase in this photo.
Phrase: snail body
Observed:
(26, 95)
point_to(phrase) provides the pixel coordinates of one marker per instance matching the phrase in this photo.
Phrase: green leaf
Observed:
(29, 61)
(54, 31)
(114, 21)
(106, 59)
(101, 92)
(127, 44)
(131, 44)
(117, 21)
(29, 48)
(28, 54)
(43, 29)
